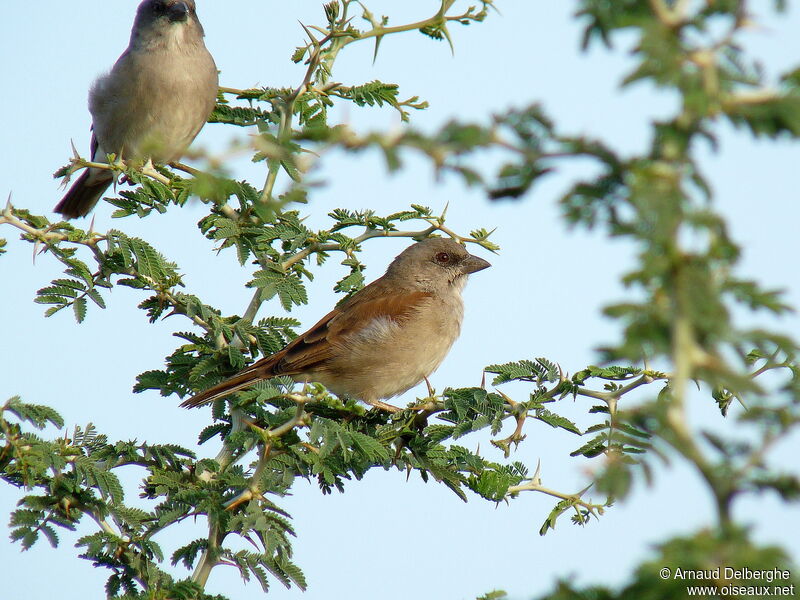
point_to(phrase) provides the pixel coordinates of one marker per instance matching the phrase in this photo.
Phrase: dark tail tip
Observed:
(83, 195)
(197, 400)
(241, 380)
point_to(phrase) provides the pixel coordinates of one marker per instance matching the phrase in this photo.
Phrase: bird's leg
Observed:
(382, 405)
(429, 406)
(149, 170)
(431, 391)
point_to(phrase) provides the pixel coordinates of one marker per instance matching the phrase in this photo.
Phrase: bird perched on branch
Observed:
(155, 100)
(384, 339)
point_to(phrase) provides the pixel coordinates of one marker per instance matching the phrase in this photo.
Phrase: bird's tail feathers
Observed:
(84, 193)
(241, 380)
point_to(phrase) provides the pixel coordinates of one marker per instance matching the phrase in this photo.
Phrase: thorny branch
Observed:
(534, 484)
(432, 406)
(318, 53)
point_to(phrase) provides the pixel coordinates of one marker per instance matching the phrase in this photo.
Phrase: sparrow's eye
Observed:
(443, 258)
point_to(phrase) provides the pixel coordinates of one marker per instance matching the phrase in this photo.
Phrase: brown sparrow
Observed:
(384, 339)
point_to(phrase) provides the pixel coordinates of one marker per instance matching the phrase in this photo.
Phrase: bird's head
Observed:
(160, 22)
(435, 264)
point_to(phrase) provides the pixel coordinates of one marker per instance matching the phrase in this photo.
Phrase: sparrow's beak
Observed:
(178, 12)
(471, 264)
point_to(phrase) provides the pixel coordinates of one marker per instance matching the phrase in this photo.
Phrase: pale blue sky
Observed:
(542, 296)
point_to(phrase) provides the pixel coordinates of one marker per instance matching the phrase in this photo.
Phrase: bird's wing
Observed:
(94, 145)
(310, 350)
(317, 345)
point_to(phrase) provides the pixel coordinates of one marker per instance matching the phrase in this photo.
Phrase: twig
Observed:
(45, 235)
(534, 485)
(254, 489)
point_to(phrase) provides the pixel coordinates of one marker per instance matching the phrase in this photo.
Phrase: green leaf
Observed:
(287, 286)
(79, 308)
(555, 420)
(35, 414)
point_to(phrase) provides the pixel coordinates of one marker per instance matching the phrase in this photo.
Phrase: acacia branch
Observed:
(534, 484)
(326, 50)
(253, 490)
(439, 18)
(45, 235)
